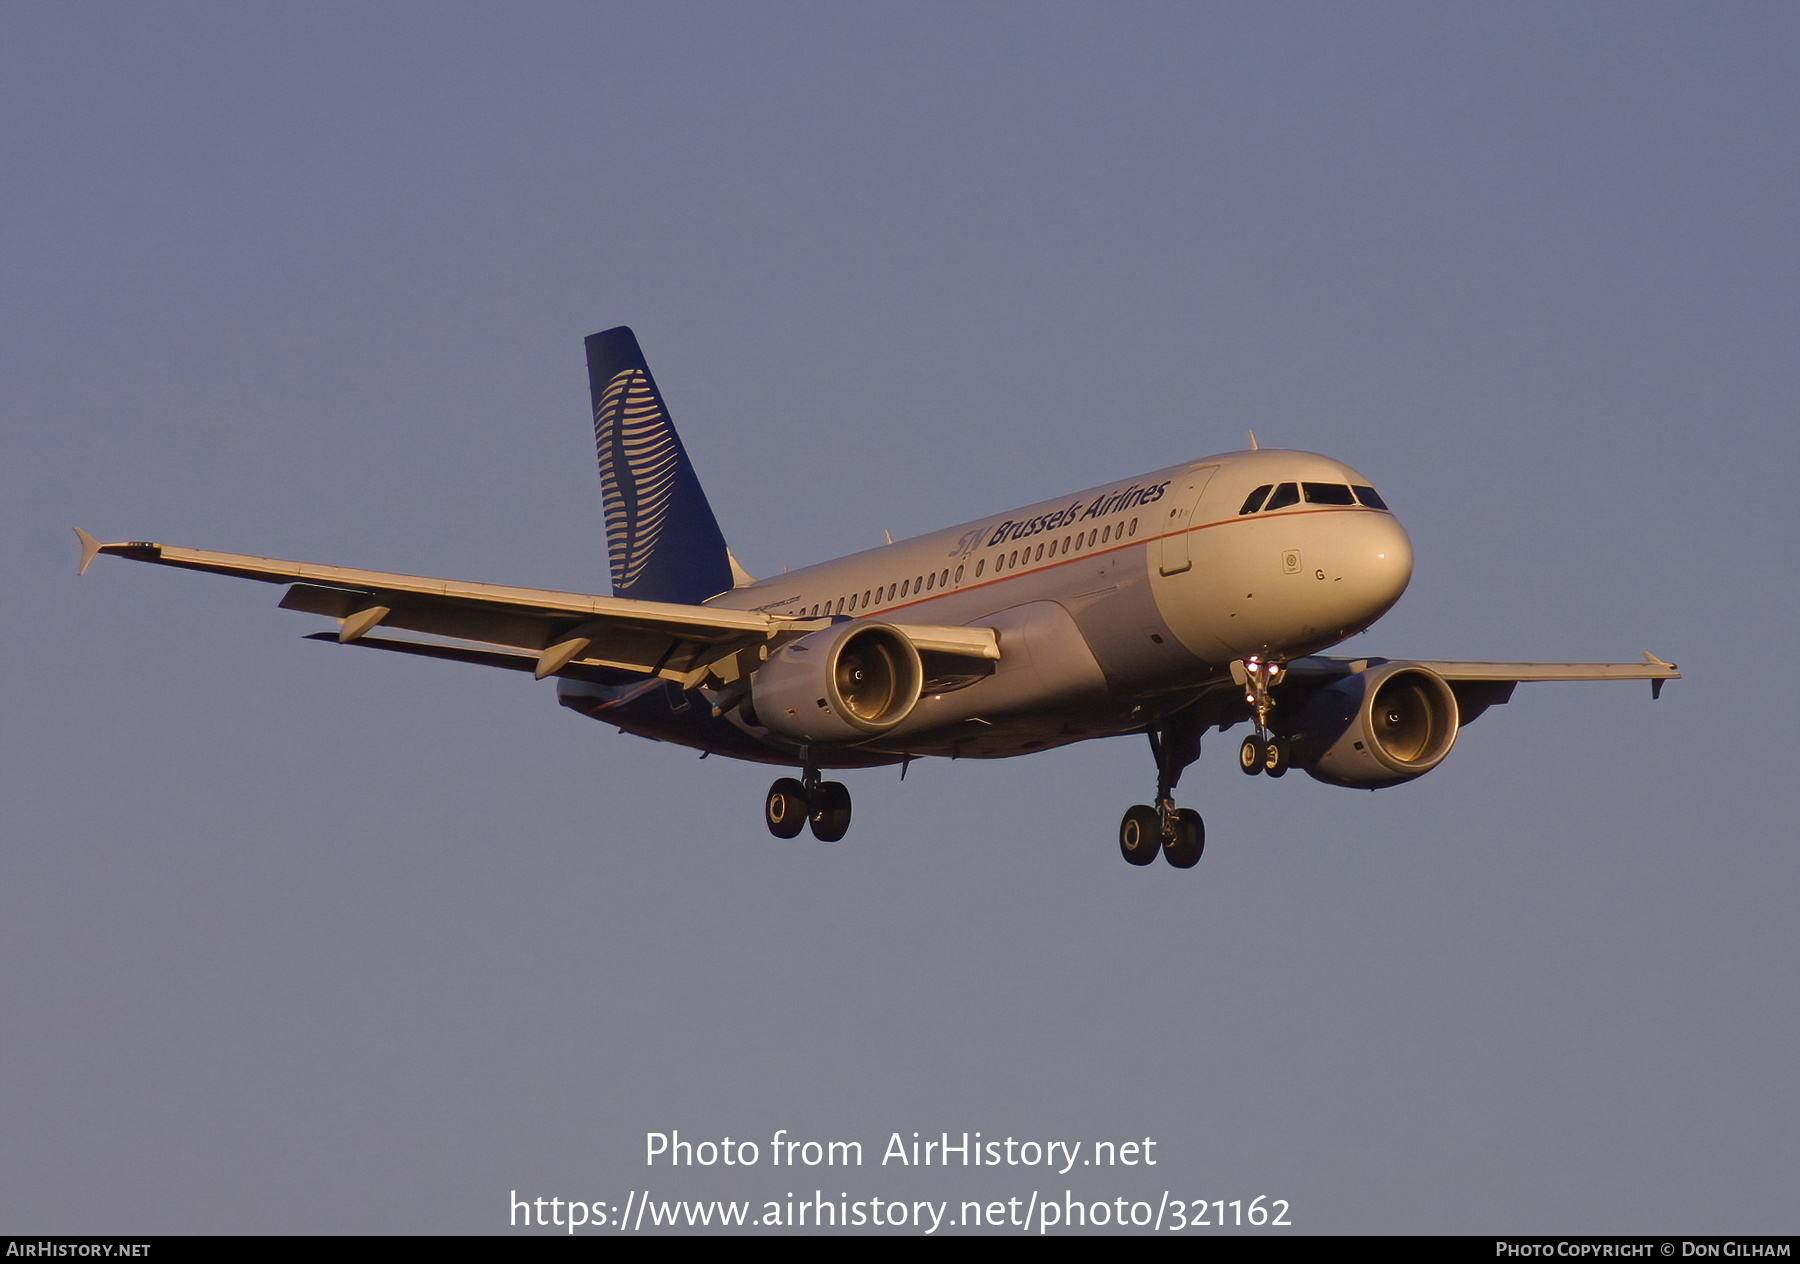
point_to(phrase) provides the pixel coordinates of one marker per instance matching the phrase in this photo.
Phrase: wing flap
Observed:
(482, 658)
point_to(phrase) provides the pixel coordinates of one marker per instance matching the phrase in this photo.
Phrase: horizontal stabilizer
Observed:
(90, 549)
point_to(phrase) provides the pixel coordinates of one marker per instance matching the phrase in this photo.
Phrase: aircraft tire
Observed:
(1185, 849)
(1140, 834)
(1250, 756)
(831, 814)
(1275, 757)
(785, 810)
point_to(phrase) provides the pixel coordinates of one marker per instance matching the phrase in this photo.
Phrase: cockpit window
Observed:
(1327, 494)
(1368, 497)
(1285, 495)
(1254, 501)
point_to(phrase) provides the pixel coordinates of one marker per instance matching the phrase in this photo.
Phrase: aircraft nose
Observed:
(1381, 565)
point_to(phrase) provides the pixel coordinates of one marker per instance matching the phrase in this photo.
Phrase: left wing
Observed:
(1653, 669)
(560, 633)
(1478, 686)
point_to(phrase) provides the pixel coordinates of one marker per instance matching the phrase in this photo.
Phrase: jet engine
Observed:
(1378, 728)
(844, 684)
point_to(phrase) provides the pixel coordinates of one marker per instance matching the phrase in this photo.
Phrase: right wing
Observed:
(559, 633)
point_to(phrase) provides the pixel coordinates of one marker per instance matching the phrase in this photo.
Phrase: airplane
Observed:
(1195, 597)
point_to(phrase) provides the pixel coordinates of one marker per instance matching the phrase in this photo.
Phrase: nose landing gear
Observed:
(1262, 752)
(1264, 755)
(791, 804)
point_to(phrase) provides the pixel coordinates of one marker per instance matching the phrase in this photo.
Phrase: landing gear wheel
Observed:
(1275, 757)
(1184, 850)
(784, 811)
(1140, 834)
(831, 812)
(1251, 756)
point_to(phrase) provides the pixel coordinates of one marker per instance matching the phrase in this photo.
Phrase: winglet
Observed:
(90, 549)
(1656, 682)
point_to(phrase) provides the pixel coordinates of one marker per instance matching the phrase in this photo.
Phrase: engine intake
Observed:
(1377, 728)
(844, 684)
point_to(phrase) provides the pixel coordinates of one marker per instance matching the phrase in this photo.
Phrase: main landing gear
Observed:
(792, 805)
(1178, 833)
(1262, 752)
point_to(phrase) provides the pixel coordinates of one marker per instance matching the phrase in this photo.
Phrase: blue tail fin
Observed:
(661, 533)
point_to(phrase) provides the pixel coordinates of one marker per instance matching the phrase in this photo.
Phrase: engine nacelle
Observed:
(1377, 728)
(844, 684)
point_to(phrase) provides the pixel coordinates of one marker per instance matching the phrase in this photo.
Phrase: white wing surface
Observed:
(560, 632)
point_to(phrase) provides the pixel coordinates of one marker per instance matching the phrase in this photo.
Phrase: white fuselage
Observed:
(1110, 598)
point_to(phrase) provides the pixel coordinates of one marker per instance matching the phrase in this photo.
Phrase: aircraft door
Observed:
(1184, 504)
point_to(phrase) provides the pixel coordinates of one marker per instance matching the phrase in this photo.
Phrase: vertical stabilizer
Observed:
(664, 542)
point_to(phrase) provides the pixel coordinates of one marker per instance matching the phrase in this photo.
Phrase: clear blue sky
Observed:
(301, 939)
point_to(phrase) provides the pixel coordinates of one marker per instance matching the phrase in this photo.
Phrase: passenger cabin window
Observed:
(1368, 497)
(1254, 500)
(1285, 495)
(1327, 494)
